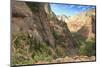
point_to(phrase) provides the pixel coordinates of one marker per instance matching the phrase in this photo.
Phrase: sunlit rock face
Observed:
(83, 23)
(63, 18)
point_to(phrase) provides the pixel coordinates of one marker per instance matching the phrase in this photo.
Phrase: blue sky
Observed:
(69, 9)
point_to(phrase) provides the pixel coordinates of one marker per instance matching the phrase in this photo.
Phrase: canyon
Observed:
(38, 34)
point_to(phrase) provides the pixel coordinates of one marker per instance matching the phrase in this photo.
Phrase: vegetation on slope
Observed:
(86, 47)
(27, 49)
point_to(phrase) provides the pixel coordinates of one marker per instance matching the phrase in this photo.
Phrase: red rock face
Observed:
(89, 30)
(83, 23)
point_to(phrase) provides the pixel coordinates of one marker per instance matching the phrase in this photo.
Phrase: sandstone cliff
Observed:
(34, 26)
(83, 23)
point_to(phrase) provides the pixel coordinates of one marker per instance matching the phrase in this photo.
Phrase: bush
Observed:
(33, 6)
(86, 47)
(42, 57)
(29, 50)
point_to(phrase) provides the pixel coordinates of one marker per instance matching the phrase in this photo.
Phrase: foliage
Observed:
(88, 49)
(85, 47)
(29, 50)
(33, 6)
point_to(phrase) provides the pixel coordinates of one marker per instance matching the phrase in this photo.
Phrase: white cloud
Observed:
(71, 6)
(84, 8)
(92, 7)
(79, 7)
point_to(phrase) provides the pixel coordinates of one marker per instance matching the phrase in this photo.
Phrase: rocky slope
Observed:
(84, 23)
(63, 18)
(36, 32)
(70, 59)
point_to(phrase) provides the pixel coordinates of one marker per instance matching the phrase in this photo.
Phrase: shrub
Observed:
(28, 50)
(88, 49)
(33, 6)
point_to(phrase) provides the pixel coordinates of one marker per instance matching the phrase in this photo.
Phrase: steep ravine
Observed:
(37, 34)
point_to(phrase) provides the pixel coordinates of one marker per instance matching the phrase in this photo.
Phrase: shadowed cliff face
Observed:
(36, 24)
(36, 33)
